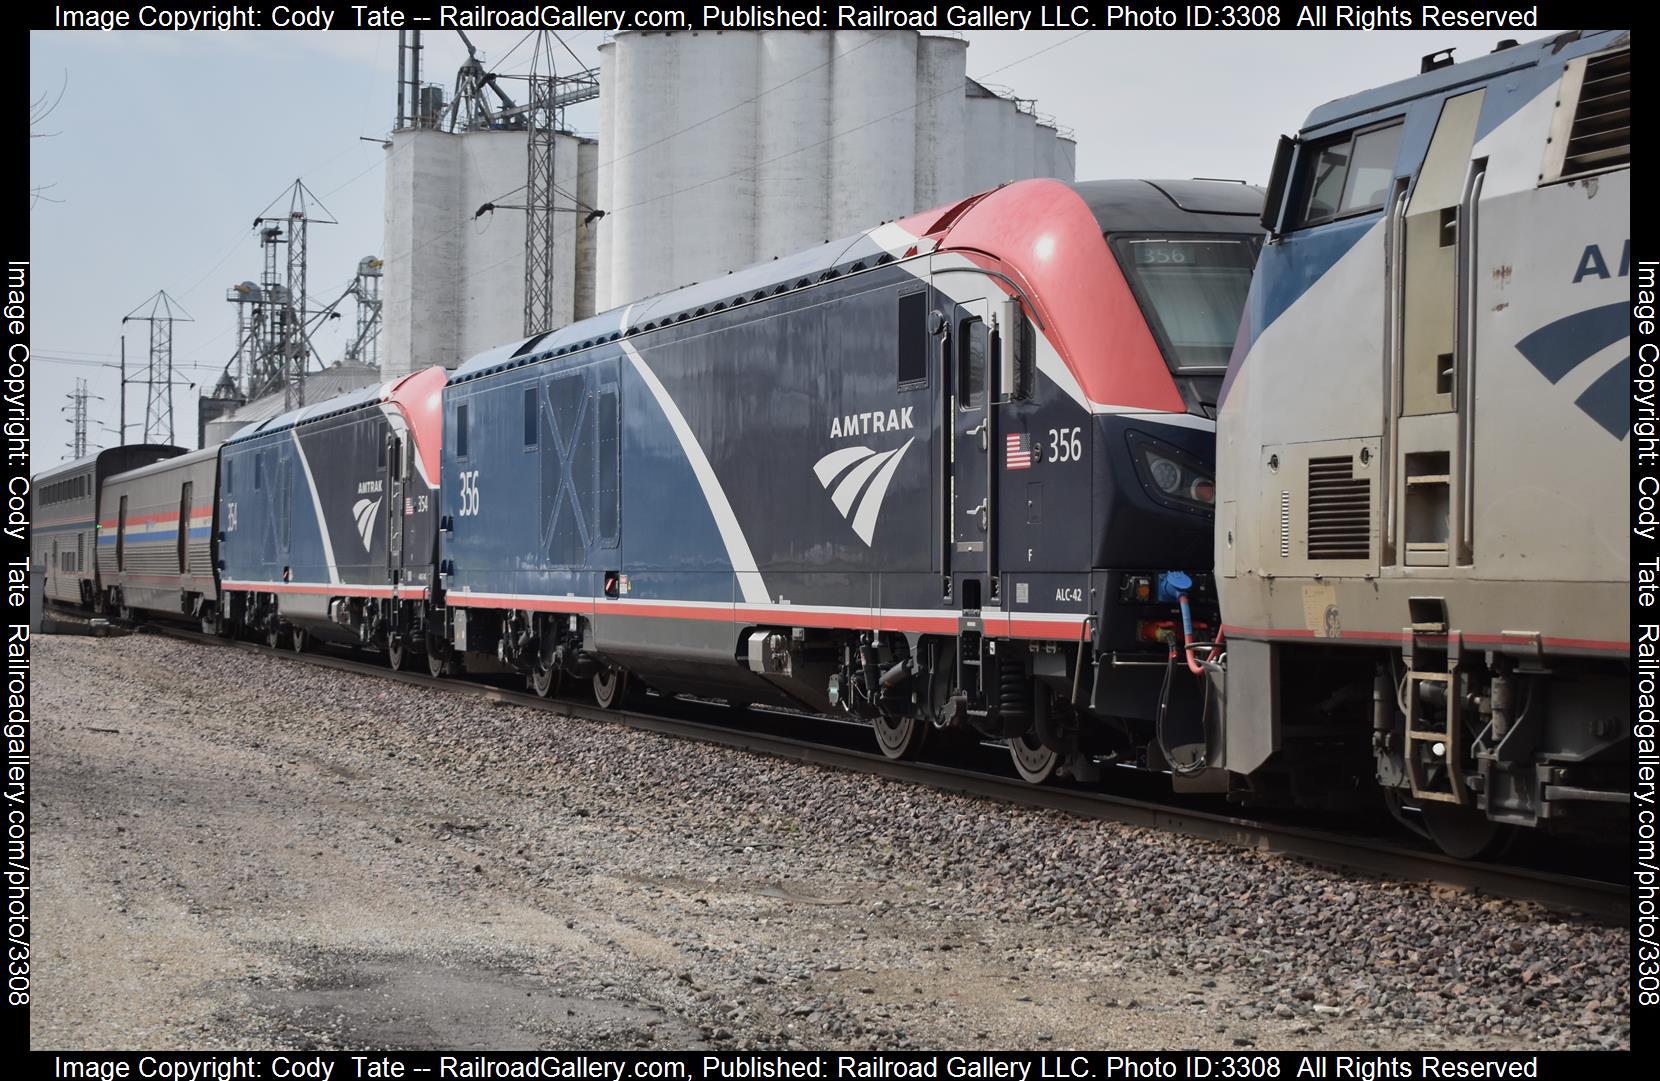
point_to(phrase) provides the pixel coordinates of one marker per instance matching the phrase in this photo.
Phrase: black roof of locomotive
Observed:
(1220, 206)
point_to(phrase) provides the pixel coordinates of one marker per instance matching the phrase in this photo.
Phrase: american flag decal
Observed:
(408, 506)
(1017, 452)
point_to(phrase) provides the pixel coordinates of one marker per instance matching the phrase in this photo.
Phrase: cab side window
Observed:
(1347, 175)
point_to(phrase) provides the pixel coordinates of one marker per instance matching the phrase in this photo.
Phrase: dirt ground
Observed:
(236, 850)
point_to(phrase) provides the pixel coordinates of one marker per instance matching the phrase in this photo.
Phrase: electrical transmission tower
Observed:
(541, 122)
(547, 97)
(163, 311)
(77, 410)
(280, 345)
(542, 118)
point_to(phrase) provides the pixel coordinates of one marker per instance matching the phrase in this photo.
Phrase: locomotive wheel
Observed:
(1032, 760)
(273, 634)
(210, 622)
(299, 639)
(899, 737)
(1465, 833)
(610, 687)
(440, 664)
(397, 653)
(545, 681)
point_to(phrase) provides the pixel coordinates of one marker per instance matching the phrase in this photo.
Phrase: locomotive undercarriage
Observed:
(1030, 695)
(548, 648)
(1464, 746)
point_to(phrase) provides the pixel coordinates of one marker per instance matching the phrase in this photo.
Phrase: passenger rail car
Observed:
(327, 519)
(155, 537)
(1422, 535)
(951, 472)
(67, 508)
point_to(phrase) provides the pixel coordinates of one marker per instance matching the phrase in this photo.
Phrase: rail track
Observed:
(1596, 898)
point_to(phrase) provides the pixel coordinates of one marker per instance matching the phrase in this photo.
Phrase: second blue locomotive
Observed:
(952, 472)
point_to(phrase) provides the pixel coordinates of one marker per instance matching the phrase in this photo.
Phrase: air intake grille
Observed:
(1601, 135)
(1339, 510)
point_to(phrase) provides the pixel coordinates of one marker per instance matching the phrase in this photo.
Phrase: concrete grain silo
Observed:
(490, 273)
(1043, 150)
(941, 67)
(719, 149)
(715, 150)
(1020, 143)
(873, 128)
(454, 282)
(711, 199)
(419, 307)
(1066, 156)
(585, 234)
(792, 167)
(991, 119)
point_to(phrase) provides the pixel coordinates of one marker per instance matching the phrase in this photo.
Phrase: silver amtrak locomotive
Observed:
(1422, 457)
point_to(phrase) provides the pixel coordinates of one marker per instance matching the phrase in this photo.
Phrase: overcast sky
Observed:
(164, 147)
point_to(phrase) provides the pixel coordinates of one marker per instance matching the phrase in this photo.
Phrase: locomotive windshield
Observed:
(1192, 290)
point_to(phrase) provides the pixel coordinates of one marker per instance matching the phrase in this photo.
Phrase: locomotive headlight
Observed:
(1166, 474)
(1171, 476)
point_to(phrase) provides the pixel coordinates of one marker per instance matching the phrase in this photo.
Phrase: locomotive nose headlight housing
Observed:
(1166, 474)
(1171, 476)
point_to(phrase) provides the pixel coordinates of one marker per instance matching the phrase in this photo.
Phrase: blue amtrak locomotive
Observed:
(951, 472)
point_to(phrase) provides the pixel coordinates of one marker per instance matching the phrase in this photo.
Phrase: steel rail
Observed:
(1602, 900)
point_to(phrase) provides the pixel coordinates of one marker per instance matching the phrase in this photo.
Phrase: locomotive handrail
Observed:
(1393, 302)
(1465, 311)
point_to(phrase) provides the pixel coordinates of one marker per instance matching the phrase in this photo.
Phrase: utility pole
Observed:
(123, 440)
(163, 312)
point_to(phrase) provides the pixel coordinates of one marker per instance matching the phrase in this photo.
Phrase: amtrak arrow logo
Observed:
(1558, 348)
(861, 470)
(364, 512)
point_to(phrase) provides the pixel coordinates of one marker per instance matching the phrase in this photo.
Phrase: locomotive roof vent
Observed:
(1601, 134)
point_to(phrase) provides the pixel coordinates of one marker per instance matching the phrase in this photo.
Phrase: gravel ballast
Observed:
(265, 852)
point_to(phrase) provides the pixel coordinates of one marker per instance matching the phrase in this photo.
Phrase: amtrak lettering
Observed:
(894, 420)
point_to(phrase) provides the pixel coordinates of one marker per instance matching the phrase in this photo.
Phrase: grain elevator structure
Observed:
(714, 150)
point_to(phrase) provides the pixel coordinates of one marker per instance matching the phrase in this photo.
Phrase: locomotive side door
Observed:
(395, 444)
(969, 528)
